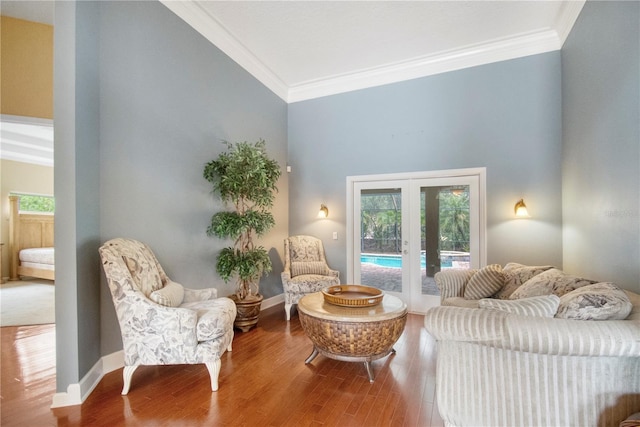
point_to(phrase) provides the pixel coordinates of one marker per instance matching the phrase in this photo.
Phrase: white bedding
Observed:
(38, 266)
(37, 256)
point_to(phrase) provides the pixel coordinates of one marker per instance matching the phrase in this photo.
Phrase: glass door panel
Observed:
(405, 229)
(445, 224)
(381, 253)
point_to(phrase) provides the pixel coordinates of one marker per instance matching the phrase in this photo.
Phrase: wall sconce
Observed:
(324, 211)
(520, 209)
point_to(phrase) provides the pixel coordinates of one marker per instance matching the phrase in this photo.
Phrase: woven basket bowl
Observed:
(351, 340)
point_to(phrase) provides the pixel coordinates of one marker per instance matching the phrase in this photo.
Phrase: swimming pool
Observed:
(395, 261)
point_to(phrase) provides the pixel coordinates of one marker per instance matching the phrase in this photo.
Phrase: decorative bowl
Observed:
(352, 295)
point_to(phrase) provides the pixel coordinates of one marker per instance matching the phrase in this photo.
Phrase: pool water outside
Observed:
(395, 261)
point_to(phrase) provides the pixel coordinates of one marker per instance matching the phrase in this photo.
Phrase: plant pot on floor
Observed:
(248, 311)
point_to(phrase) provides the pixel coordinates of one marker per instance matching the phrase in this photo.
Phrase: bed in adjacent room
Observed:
(31, 252)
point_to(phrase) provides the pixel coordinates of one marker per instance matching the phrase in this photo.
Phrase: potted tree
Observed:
(245, 178)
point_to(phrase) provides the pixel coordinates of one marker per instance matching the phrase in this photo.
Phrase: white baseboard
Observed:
(271, 302)
(77, 393)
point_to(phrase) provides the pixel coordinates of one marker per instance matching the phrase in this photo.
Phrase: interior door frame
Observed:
(353, 181)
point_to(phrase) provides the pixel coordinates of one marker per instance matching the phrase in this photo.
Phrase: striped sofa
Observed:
(499, 368)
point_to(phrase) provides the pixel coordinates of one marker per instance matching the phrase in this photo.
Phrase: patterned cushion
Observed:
(552, 281)
(486, 282)
(144, 272)
(515, 275)
(171, 295)
(542, 306)
(316, 267)
(305, 248)
(600, 301)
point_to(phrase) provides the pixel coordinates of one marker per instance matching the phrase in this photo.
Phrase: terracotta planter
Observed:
(248, 312)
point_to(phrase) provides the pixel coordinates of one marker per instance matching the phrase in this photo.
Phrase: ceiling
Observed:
(308, 49)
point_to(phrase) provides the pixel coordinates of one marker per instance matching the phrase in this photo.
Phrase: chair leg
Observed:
(214, 371)
(287, 311)
(127, 373)
(230, 342)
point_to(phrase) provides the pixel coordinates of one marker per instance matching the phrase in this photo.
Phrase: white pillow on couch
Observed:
(553, 281)
(600, 301)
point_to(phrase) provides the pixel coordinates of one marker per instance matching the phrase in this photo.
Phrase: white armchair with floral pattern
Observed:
(162, 322)
(305, 270)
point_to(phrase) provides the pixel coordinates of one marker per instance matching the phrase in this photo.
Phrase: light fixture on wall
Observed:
(324, 211)
(520, 209)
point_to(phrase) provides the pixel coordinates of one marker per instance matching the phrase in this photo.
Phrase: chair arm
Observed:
(141, 319)
(286, 276)
(451, 283)
(534, 334)
(334, 273)
(193, 295)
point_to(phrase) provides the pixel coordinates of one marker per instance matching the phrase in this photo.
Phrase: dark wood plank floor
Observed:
(263, 382)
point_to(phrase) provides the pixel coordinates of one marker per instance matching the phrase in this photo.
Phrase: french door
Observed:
(404, 228)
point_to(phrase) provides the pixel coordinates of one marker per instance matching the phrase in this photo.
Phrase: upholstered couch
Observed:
(519, 356)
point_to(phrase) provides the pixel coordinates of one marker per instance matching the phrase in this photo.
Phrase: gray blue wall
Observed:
(152, 101)
(142, 102)
(167, 100)
(504, 116)
(76, 186)
(601, 152)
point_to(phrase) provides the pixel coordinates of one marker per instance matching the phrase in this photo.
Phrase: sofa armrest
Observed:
(334, 273)
(451, 283)
(535, 334)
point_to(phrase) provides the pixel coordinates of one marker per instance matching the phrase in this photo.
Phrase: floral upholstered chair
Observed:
(163, 323)
(305, 270)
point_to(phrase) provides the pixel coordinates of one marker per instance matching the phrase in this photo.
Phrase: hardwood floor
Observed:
(263, 382)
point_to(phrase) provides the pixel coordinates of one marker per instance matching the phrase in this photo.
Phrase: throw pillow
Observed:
(553, 281)
(600, 301)
(515, 275)
(315, 267)
(486, 282)
(542, 306)
(170, 295)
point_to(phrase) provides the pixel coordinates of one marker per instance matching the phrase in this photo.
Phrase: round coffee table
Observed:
(350, 334)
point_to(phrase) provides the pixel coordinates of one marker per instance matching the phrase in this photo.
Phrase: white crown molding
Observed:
(209, 27)
(494, 51)
(471, 56)
(567, 15)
